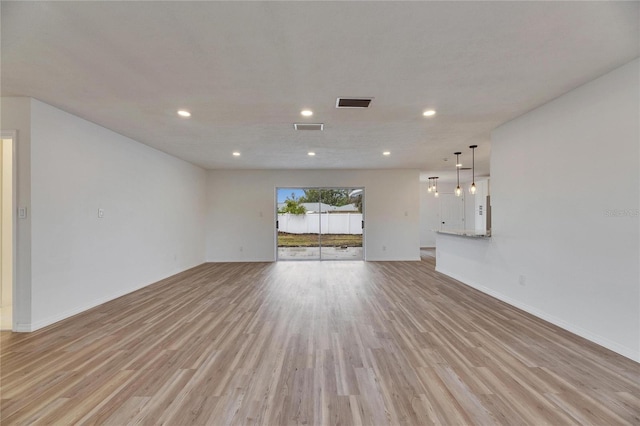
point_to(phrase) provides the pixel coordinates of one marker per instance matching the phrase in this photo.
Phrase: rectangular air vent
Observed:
(353, 102)
(308, 126)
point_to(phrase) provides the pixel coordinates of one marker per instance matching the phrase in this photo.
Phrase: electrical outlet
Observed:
(100, 213)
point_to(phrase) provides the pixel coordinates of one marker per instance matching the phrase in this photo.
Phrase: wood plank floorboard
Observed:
(313, 343)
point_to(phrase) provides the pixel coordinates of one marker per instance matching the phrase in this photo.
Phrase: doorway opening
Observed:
(7, 202)
(319, 223)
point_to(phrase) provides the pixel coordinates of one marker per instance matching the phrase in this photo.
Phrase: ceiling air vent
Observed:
(353, 102)
(308, 126)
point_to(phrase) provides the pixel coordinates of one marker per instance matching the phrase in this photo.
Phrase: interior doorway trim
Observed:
(13, 136)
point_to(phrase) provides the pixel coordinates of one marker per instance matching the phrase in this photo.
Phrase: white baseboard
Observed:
(599, 340)
(22, 328)
(79, 309)
(36, 325)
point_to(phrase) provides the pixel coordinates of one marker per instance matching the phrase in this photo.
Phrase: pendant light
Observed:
(458, 165)
(430, 188)
(435, 186)
(472, 189)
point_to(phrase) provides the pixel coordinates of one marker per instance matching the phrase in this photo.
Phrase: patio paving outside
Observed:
(313, 253)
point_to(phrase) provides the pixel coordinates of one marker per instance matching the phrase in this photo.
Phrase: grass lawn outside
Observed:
(311, 240)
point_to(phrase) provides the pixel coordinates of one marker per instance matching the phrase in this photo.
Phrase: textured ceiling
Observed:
(246, 69)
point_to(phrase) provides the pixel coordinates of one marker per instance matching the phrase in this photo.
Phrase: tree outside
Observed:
(357, 201)
(292, 206)
(333, 197)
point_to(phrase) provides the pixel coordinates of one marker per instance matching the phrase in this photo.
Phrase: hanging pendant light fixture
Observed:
(430, 188)
(472, 189)
(458, 165)
(435, 186)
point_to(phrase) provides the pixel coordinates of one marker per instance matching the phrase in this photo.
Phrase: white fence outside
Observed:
(334, 223)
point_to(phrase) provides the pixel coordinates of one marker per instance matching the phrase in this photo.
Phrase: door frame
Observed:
(13, 136)
(351, 188)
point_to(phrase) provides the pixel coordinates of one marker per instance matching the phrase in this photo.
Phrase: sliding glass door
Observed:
(320, 223)
(341, 226)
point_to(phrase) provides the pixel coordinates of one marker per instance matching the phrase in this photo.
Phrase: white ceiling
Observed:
(246, 69)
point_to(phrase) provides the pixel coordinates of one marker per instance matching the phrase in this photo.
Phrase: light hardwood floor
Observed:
(312, 343)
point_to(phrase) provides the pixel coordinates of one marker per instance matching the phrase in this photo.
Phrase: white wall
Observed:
(241, 206)
(154, 210)
(557, 250)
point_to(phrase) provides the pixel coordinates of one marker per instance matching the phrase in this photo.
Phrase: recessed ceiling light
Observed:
(306, 112)
(386, 153)
(236, 154)
(311, 153)
(429, 113)
(184, 113)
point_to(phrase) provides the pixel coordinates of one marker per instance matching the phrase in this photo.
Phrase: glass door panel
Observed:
(297, 226)
(341, 224)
